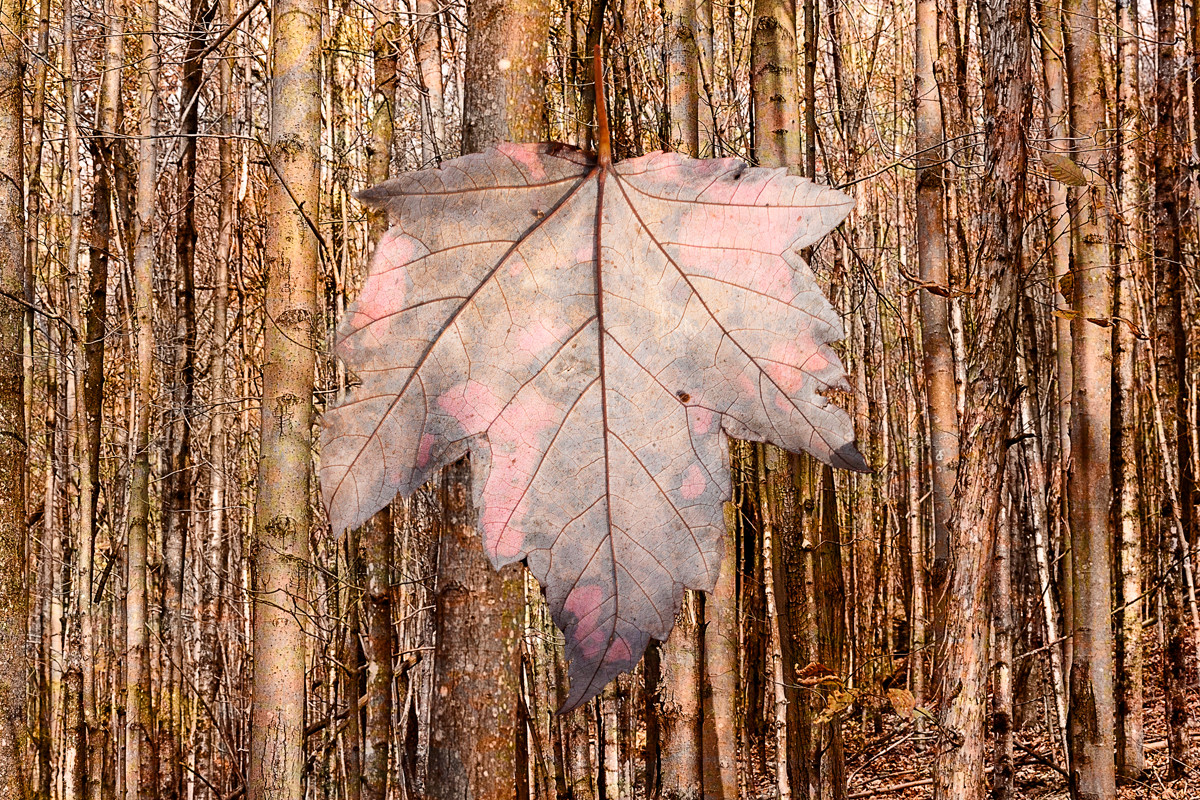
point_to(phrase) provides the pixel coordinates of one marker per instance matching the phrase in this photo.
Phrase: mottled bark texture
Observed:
(933, 265)
(433, 128)
(773, 85)
(1089, 484)
(177, 488)
(1003, 770)
(140, 778)
(504, 84)
(682, 77)
(13, 450)
(282, 516)
(103, 147)
(1129, 267)
(215, 546)
(1005, 45)
(479, 614)
(679, 708)
(377, 539)
(1170, 348)
(723, 686)
(1055, 107)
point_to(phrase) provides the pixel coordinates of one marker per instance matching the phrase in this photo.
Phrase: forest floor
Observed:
(896, 763)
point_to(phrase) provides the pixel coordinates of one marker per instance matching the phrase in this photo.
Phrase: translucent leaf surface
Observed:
(590, 335)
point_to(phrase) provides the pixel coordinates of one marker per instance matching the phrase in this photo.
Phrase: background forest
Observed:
(1007, 604)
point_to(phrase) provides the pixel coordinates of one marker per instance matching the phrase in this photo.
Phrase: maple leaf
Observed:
(590, 334)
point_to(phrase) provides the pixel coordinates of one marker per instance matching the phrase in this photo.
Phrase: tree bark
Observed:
(282, 517)
(429, 61)
(140, 778)
(1005, 47)
(777, 697)
(177, 490)
(933, 266)
(830, 597)
(1051, 38)
(1036, 480)
(104, 151)
(719, 739)
(1170, 348)
(377, 538)
(504, 83)
(215, 547)
(1130, 735)
(1089, 485)
(678, 706)
(773, 86)
(478, 614)
(13, 448)
(1003, 772)
(682, 77)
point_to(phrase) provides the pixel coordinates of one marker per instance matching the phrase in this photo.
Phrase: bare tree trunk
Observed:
(1170, 347)
(476, 658)
(1036, 480)
(282, 517)
(830, 599)
(13, 451)
(778, 696)
(1003, 772)
(1130, 736)
(177, 490)
(377, 539)
(773, 83)
(934, 267)
(1005, 46)
(1051, 38)
(215, 547)
(721, 672)
(429, 61)
(918, 639)
(73, 731)
(679, 708)
(1089, 486)
(103, 150)
(682, 77)
(140, 779)
(505, 85)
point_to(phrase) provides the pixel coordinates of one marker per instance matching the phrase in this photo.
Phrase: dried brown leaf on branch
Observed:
(1064, 170)
(590, 333)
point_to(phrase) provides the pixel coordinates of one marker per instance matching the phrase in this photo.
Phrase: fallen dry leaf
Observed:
(1064, 169)
(590, 334)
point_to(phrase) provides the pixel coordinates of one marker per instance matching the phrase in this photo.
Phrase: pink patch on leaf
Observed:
(583, 603)
(424, 450)
(385, 290)
(539, 336)
(618, 653)
(528, 157)
(473, 404)
(516, 445)
(787, 362)
(694, 482)
(702, 420)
